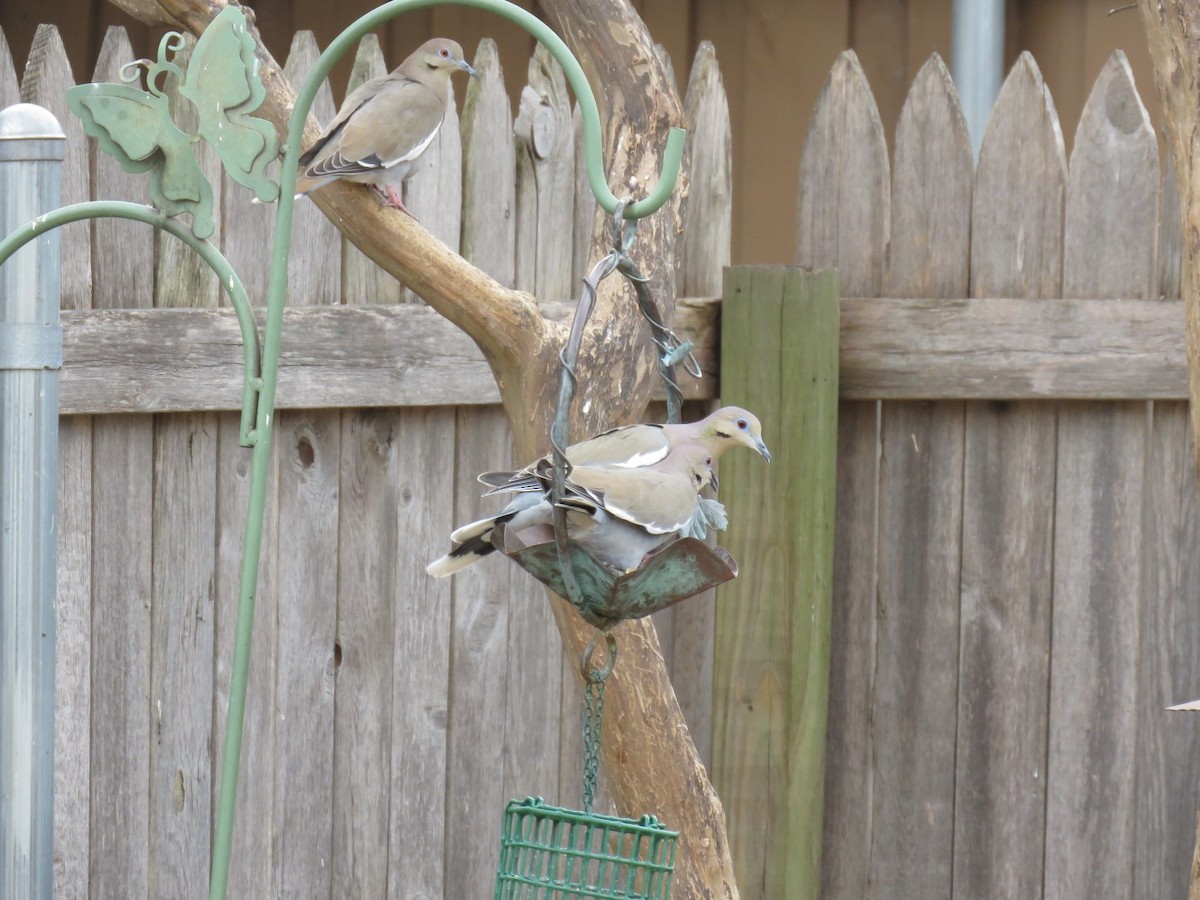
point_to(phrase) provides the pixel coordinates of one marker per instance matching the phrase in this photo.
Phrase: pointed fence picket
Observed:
(1017, 528)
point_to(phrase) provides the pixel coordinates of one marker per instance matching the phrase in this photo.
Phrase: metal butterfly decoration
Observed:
(221, 81)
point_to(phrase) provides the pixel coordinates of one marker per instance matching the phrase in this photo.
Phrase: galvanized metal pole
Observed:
(31, 152)
(977, 60)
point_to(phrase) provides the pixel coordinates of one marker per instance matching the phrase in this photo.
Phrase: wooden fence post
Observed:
(779, 357)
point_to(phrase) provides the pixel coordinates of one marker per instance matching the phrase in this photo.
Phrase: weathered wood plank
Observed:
(844, 217)
(1008, 513)
(489, 170)
(308, 450)
(10, 91)
(122, 463)
(920, 508)
(308, 461)
(1109, 233)
(421, 646)
(1168, 769)
(912, 711)
(478, 665)
(434, 193)
(707, 232)
(751, 668)
(47, 76)
(314, 266)
(366, 564)
(545, 181)
(916, 349)
(181, 653)
(771, 664)
(844, 205)
(182, 609)
(362, 280)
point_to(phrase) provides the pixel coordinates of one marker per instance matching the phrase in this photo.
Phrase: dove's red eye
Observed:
(708, 461)
(742, 424)
(444, 53)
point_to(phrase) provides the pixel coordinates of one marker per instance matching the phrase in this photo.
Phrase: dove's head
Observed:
(730, 426)
(442, 54)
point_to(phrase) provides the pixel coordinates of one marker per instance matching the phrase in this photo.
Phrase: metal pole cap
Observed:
(28, 131)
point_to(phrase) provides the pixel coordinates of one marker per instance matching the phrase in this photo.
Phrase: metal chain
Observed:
(593, 713)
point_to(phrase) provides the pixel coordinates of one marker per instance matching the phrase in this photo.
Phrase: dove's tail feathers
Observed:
(471, 543)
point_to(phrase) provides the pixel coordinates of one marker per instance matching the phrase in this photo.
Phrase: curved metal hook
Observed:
(116, 209)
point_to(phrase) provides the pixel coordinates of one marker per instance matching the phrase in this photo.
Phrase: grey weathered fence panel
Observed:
(1015, 248)
(844, 219)
(390, 715)
(920, 498)
(1109, 232)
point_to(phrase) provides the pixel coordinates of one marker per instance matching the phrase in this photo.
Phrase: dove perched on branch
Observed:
(386, 124)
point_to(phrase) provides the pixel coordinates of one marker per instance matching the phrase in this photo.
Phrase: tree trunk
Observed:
(1173, 33)
(651, 764)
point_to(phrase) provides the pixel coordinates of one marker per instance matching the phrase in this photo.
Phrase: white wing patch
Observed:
(415, 151)
(645, 458)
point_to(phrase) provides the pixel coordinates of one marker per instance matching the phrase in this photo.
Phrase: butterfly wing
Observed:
(135, 127)
(222, 83)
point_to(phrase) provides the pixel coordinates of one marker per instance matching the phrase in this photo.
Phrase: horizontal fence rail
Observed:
(170, 360)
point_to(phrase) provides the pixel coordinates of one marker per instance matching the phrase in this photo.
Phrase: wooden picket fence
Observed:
(1017, 526)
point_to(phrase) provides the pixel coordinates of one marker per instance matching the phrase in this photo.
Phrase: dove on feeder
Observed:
(635, 446)
(617, 514)
(386, 124)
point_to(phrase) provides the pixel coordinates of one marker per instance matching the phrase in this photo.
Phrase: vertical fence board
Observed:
(434, 192)
(537, 699)
(122, 476)
(920, 503)
(308, 449)
(546, 238)
(1168, 770)
(489, 201)
(844, 219)
(308, 452)
(771, 663)
(47, 76)
(1016, 250)
(751, 668)
(362, 280)
(366, 588)
(421, 640)
(478, 685)
(182, 609)
(708, 221)
(1109, 235)
(545, 181)
(10, 92)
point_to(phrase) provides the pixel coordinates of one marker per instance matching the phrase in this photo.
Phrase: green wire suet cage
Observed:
(546, 851)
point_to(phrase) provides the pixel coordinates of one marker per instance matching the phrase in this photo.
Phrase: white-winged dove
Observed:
(635, 446)
(386, 124)
(617, 514)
